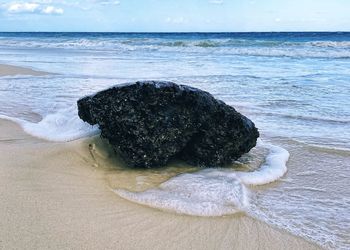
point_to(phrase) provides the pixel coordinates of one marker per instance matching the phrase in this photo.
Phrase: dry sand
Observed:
(9, 70)
(53, 196)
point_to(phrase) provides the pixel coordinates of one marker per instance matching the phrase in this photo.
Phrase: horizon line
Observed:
(340, 31)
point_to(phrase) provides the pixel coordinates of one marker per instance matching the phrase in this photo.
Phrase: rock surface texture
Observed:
(150, 122)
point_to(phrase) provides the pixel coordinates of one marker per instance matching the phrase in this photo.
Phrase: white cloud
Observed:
(22, 7)
(50, 7)
(216, 1)
(37, 7)
(52, 10)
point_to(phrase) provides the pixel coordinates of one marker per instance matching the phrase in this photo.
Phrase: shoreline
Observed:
(54, 196)
(11, 70)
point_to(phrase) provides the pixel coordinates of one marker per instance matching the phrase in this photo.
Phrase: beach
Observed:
(62, 186)
(10, 70)
(54, 197)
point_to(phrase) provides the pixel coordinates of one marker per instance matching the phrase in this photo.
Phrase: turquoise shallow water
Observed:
(294, 86)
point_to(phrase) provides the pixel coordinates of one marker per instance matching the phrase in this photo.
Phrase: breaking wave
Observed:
(244, 47)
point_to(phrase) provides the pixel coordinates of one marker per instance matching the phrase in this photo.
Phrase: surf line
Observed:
(212, 192)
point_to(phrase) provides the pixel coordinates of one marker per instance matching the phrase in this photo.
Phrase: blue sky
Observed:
(175, 15)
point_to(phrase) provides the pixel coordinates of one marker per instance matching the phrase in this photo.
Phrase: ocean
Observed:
(294, 86)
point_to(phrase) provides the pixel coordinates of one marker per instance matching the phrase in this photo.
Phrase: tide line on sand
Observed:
(212, 192)
(208, 192)
(62, 126)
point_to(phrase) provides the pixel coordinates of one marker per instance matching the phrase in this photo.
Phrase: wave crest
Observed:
(240, 47)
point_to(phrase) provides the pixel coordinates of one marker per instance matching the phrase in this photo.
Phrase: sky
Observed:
(175, 15)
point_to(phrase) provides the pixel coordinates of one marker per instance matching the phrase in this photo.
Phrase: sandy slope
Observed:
(53, 197)
(8, 70)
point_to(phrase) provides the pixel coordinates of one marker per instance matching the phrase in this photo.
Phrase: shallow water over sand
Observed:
(308, 203)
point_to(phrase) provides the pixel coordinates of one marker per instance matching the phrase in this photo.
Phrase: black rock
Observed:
(150, 122)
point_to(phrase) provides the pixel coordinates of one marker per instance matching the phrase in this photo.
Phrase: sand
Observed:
(58, 196)
(54, 197)
(9, 70)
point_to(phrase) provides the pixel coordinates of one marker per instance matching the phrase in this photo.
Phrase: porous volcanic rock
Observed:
(150, 122)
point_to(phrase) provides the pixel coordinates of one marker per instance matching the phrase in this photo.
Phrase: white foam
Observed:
(204, 193)
(273, 168)
(314, 49)
(330, 44)
(63, 125)
(211, 192)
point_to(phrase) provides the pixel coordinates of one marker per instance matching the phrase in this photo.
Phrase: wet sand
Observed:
(10, 70)
(55, 196)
